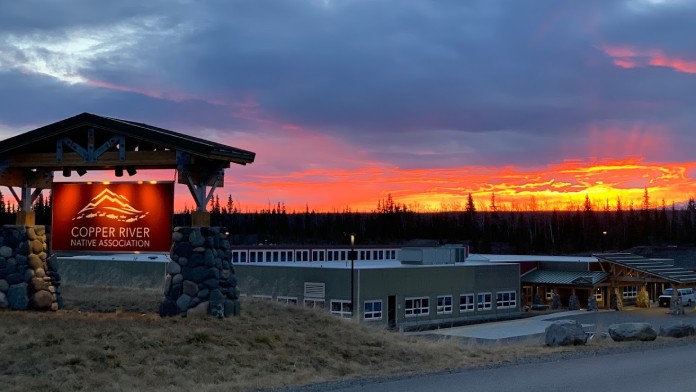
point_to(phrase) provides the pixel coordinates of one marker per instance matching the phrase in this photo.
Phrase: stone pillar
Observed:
(29, 279)
(200, 277)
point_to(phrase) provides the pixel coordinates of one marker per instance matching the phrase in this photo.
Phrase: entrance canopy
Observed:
(629, 267)
(89, 142)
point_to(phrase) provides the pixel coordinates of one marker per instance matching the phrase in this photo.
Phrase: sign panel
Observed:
(113, 217)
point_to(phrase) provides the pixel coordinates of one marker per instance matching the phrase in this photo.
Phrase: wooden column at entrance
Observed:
(198, 179)
(31, 183)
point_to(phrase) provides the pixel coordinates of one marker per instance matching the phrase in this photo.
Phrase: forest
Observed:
(578, 229)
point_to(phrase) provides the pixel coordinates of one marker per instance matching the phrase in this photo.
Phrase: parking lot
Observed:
(534, 327)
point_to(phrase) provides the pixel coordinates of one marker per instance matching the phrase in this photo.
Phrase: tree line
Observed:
(579, 229)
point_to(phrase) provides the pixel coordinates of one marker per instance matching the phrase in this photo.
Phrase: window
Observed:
(252, 257)
(341, 308)
(329, 255)
(287, 300)
(630, 291)
(444, 304)
(466, 303)
(243, 257)
(275, 256)
(290, 255)
(263, 297)
(313, 303)
(506, 300)
(549, 293)
(599, 296)
(343, 255)
(373, 310)
(483, 301)
(381, 255)
(417, 306)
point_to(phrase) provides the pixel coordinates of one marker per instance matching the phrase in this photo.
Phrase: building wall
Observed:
(407, 284)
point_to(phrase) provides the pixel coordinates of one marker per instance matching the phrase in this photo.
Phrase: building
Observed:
(428, 287)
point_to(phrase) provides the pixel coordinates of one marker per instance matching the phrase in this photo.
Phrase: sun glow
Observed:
(560, 186)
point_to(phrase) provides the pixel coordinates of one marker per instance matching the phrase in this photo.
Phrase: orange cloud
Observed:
(628, 57)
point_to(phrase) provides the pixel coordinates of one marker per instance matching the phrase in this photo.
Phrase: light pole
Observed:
(352, 268)
(604, 240)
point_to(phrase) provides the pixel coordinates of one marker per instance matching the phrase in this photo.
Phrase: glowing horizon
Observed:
(560, 186)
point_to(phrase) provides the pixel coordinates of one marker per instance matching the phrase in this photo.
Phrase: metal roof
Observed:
(145, 136)
(654, 267)
(571, 278)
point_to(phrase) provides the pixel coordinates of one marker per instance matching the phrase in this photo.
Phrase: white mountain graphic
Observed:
(110, 205)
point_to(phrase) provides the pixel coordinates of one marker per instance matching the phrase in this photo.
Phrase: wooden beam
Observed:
(108, 160)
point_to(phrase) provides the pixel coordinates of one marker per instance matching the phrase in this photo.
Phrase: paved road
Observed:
(664, 369)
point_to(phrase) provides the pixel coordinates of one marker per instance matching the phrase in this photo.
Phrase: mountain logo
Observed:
(110, 205)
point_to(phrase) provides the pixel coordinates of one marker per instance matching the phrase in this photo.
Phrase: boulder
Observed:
(35, 262)
(42, 300)
(17, 297)
(632, 331)
(4, 286)
(5, 251)
(183, 302)
(173, 268)
(196, 238)
(200, 310)
(36, 246)
(177, 236)
(678, 330)
(565, 333)
(190, 288)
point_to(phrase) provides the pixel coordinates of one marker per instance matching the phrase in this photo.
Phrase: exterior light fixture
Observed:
(66, 172)
(81, 171)
(131, 170)
(118, 172)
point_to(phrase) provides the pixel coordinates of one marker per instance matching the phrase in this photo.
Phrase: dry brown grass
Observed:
(112, 340)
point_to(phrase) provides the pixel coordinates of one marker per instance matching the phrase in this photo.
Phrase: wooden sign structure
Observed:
(88, 142)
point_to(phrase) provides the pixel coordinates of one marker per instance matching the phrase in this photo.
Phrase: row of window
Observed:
(259, 256)
(420, 306)
(413, 306)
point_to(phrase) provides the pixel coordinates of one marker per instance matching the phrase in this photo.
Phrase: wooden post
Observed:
(200, 218)
(25, 218)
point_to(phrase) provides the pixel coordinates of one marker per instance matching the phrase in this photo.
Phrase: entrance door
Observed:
(391, 311)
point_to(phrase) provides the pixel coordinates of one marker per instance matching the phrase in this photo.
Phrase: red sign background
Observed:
(115, 217)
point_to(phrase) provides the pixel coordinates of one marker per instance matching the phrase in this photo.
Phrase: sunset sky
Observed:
(540, 102)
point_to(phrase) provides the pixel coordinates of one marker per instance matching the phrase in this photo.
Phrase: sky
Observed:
(540, 103)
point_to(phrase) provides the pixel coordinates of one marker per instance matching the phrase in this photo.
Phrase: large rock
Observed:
(632, 331)
(5, 251)
(200, 310)
(42, 300)
(190, 288)
(678, 330)
(183, 302)
(4, 286)
(173, 268)
(565, 333)
(196, 238)
(17, 297)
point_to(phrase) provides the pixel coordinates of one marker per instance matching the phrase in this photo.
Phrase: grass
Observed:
(113, 340)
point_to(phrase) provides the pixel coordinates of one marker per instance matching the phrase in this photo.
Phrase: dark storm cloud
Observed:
(465, 81)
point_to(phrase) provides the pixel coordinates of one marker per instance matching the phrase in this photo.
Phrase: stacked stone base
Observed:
(29, 279)
(200, 278)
